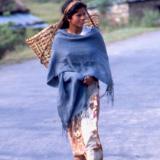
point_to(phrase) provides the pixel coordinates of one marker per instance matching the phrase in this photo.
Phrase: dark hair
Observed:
(71, 12)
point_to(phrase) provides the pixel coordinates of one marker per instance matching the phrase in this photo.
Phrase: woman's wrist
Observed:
(94, 78)
(88, 80)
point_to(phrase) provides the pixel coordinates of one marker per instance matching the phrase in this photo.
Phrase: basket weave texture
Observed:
(41, 43)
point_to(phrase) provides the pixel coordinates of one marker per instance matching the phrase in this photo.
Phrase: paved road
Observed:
(30, 127)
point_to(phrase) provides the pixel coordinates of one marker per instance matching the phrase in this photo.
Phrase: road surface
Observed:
(30, 128)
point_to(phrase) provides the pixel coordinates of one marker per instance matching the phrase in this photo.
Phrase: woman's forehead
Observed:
(81, 10)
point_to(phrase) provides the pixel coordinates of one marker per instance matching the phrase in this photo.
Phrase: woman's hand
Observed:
(88, 80)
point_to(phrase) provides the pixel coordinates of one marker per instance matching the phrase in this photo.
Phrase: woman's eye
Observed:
(79, 15)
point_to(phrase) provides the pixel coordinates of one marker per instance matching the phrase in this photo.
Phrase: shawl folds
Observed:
(72, 58)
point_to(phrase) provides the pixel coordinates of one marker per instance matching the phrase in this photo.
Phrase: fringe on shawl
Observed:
(109, 92)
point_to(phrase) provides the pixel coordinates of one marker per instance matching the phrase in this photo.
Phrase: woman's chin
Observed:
(81, 25)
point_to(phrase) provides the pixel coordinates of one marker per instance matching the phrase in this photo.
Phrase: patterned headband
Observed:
(71, 5)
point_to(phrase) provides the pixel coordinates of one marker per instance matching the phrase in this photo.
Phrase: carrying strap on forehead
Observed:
(72, 4)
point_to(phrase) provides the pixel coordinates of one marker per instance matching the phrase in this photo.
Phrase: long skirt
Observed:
(83, 131)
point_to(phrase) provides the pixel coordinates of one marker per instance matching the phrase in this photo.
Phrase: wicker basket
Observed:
(41, 42)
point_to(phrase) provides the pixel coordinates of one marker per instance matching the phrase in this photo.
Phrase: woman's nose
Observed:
(83, 17)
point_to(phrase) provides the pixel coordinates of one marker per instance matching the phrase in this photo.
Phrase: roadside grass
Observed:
(126, 32)
(20, 54)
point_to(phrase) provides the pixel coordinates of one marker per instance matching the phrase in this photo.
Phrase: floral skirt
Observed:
(83, 131)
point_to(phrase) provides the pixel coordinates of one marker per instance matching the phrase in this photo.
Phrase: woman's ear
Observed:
(68, 19)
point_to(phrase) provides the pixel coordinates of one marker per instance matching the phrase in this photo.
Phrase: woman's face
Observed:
(78, 19)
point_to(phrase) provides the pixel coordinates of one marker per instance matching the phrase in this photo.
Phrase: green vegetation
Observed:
(100, 4)
(6, 6)
(48, 11)
(19, 54)
(12, 46)
(9, 38)
(126, 32)
(150, 18)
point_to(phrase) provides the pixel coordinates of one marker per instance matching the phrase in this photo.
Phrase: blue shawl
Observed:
(73, 57)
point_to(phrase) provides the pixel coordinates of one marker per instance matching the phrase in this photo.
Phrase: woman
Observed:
(79, 60)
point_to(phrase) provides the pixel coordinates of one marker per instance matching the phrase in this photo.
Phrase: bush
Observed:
(101, 5)
(9, 38)
(150, 18)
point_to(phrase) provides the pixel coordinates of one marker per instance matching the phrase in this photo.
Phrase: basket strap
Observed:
(90, 18)
(59, 24)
